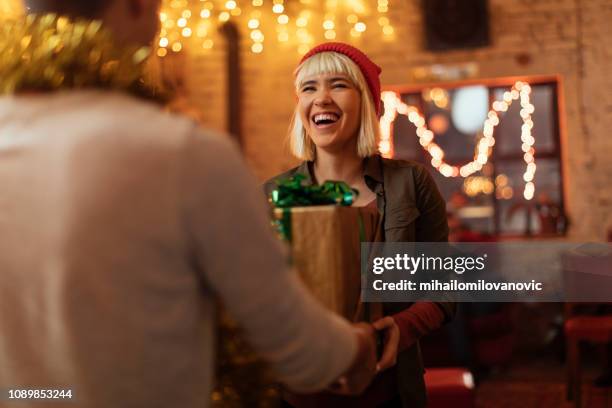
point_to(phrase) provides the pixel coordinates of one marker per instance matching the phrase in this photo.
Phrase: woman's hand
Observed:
(391, 339)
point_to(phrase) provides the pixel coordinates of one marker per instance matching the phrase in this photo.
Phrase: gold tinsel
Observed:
(50, 52)
(243, 378)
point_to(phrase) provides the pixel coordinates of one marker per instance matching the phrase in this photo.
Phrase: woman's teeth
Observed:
(325, 118)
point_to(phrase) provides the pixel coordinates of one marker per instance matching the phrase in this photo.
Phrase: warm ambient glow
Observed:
(10, 8)
(394, 106)
(181, 21)
(299, 24)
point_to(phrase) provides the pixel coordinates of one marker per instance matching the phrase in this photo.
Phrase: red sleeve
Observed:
(416, 321)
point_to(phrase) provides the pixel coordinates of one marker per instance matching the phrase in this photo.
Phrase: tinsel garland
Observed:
(48, 53)
(244, 380)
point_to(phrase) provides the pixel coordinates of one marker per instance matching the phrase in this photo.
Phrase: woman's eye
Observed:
(340, 85)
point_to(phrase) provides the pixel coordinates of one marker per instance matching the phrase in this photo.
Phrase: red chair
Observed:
(593, 329)
(449, 387)
(584, 275)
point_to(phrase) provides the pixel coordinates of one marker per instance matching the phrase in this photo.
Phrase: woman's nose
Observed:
(323, 96)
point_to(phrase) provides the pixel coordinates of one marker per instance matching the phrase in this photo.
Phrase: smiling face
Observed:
(330, 109)
(335, 111)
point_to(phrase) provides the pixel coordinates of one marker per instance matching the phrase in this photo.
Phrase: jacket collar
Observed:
(372, 171)
(305, 168)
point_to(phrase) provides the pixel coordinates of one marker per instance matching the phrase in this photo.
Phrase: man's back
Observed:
(117, 224)
(94, 277)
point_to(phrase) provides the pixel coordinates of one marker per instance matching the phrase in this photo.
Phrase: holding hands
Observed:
(365, 366)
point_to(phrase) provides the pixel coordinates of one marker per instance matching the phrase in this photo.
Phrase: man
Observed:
(120, 226)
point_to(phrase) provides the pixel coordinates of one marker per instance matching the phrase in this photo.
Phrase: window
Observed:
(491, 201)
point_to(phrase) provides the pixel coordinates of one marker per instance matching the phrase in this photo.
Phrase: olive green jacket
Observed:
(412, 210)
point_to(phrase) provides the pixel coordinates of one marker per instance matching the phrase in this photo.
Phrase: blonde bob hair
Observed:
(300, 144)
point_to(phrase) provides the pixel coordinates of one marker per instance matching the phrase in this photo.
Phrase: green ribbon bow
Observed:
(291, 192)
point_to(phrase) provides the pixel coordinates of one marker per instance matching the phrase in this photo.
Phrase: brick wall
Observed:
(570, 38)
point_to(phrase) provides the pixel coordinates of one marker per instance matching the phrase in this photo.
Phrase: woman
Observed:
(334, 131)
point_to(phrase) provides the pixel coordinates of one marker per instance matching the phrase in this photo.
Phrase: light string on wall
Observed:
(484, 147)
(300, 24)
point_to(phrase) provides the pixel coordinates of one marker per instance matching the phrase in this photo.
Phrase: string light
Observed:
(304, 38)
(278, 7)
(474, 185)
(253, 23)
(502, 190)
(383, 20)
(183, 21)
(527, 138)
(207, 44)
(520, 90)
(257, 36)
(383, 6)
(388, 30)
(329, 24)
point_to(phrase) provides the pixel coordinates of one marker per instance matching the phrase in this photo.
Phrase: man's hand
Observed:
(363, 368)
(392, 337)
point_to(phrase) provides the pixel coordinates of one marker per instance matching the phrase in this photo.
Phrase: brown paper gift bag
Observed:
(326, 251)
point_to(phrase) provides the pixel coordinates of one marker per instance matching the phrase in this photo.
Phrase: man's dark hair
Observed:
(73, 8)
